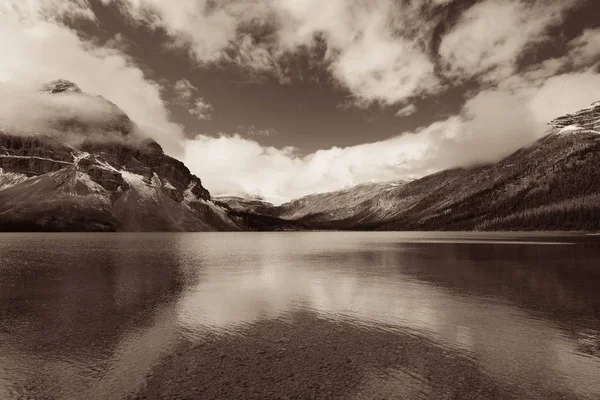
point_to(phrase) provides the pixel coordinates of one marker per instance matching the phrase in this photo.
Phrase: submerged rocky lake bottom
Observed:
(299, 315)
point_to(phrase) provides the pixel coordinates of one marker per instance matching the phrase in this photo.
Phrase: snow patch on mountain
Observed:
(106, 166)
(188, 195)
(80, 155)
(168, 185)
(8, 179)
(575, 129)
(568, 129)
(35, 157)
(147, 189)
(93, 187)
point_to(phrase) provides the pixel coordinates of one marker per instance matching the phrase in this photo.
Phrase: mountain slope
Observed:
(107, 179)
(256, 215)
(553, 184)
(343, 209)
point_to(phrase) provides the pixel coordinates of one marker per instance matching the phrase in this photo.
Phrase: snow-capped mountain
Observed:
(108, 179)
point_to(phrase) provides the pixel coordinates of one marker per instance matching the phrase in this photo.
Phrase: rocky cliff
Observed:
(587, 118)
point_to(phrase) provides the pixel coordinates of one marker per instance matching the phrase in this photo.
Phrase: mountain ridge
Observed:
(550, 184)
(102, 174)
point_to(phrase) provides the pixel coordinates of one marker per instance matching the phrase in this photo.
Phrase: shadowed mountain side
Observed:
(550, 185)
(61, 200)
(257, 215)
(256, 206)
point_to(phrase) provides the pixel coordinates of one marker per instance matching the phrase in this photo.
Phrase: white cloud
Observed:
(368, 51)
(201, 109)
(185, 96)
(252, 130)
(585, 50)
(407, 111)
(490, 36)
(16, 114)
(235, 165)
(31, 10)
(189, 22)
(565, 93)
(184, 90)
(493, 123)
(37, 48)
(374, 49)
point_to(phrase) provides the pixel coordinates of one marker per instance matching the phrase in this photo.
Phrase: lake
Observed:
(349, 315)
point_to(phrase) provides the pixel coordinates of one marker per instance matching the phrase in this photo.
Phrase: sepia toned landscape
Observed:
(299, 199)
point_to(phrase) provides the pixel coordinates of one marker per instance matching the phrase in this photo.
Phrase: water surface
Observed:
(101, 316)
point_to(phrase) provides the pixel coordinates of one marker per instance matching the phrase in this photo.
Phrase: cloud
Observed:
(201, 109)
(565, 93)
(51, 110)
(240, 166)
(490, 36)
(37, 48)
(368, 51)
(379, 51)
(493, 123)
(252, 130)
(203, 26)
(53, 10)
(585, 50)
(376, 50)
(184, 90)
(185, 96)
(407, 111)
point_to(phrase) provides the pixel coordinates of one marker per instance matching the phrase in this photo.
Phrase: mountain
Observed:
(97, 174)
(253, 205)
(360, 205)
(89, 169)
(257, 215)
(553, 184)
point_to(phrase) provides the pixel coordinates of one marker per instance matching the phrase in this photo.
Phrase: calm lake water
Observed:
(90, 316)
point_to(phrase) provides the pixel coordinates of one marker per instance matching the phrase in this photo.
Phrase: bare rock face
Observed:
(587, 118)
(104, 182)
(61, 85)
(32, 155)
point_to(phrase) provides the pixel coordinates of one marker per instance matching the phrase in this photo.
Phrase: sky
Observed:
(284, 98)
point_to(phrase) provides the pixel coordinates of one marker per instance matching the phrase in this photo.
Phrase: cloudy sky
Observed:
(282, 98)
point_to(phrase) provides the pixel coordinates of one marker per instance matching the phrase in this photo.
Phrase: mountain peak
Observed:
(60, 86)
